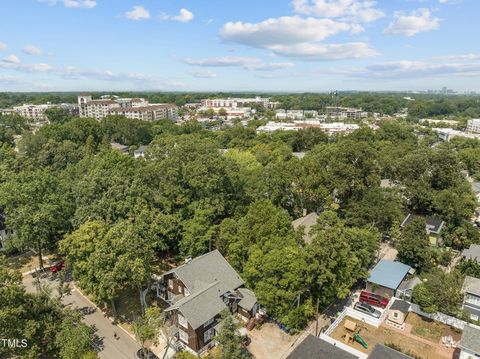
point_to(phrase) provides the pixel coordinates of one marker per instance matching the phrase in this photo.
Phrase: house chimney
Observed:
(188, 259)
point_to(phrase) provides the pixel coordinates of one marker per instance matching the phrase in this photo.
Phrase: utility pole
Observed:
(316, 322)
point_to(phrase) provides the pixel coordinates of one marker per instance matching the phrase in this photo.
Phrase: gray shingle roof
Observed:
(248, 298)
(471, 285)
(400, 305)
(382, 352)
(316, 348)
(206, 269)
(472, 253)
(201, 306)
(471, 339)
(433, 224)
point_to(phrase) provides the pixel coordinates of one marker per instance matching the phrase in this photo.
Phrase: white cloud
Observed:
(75, 4)
(8, 79)
(248, 63)
(11, 59)
(462, 57)
(413, 69)
(87, 4)
(3, 46)
(420, 20)
(204, 74)
(138, 13)
(184, 16)
(360, 10)
(284, 30)
(325, 52)
(297, 37)
(32, 50)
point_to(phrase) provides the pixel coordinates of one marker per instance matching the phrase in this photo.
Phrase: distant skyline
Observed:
(233, 45)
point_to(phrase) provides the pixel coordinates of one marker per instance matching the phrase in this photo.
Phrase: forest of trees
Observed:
(113, 217)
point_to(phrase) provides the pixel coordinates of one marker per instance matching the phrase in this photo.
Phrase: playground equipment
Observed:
(353, 333)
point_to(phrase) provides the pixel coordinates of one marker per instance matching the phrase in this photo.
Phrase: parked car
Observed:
(57, 267)
(149, 354)
(373, 299)
(367, 309)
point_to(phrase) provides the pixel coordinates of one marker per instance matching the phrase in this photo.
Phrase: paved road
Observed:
(109, 348)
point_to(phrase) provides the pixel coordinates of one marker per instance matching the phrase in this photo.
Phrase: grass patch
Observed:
(426, 328)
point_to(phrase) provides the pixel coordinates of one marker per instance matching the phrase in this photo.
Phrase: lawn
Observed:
(430, 329)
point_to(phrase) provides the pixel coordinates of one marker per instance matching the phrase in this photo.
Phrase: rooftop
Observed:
(313, 347)
(400, 305)
(389, 274)
(471, 339)
(472, 253)
(471, 285)
(383, 352)
(434, 224)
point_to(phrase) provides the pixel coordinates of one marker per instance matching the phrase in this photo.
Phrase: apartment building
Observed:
(239, 102)
(473, 126)
(147, 113)
(345, 113)
(134, 108)
(36, 113)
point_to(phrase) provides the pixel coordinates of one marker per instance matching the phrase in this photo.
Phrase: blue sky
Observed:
(239, 45)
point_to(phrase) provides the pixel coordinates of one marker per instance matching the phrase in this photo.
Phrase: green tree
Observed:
(148, 326)
(229, 341)
(414, 246)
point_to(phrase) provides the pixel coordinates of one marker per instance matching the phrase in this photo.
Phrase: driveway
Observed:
(108, 348)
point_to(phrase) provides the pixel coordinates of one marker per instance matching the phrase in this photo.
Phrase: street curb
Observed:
(106, 316)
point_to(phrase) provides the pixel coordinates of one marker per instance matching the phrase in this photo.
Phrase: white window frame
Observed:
(182, 320)
(208, 335)
(474, 317)
(183, 335)
(472, 299)
(396, 315)
(208, 322)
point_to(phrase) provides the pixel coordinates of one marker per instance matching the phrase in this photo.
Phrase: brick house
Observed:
(197, 292)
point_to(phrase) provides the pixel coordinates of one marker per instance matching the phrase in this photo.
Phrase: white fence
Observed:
(442, 318)
(343, 346)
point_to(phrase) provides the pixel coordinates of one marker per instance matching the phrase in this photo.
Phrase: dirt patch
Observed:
(270, 342)
(373, 336)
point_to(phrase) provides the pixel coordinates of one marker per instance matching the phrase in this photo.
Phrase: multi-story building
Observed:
(135, 108)
(239, 102)
(197, 292)
(473, 126)
(329, 128)
(471, 297)
(36, 113)
(345, 113)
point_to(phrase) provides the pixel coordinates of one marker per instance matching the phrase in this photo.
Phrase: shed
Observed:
(386, 277)
(398, 311)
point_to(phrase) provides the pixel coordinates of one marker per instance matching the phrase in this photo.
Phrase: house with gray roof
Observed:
(470, 343)
(383, 352)
(386, 278)
(471, 297)
(472, 253)
(434, 227)
(197, 292)
(140, 152)
(306, 222)
(315, 348)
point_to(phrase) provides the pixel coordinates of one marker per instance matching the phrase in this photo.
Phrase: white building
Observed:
(345, 113)
(473, 126)
(135, 108)
(238, 102)
(446, 134)
(329, 128)
(36, 113)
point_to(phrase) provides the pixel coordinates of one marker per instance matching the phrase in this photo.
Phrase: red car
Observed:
(57, 267)
(373, 299)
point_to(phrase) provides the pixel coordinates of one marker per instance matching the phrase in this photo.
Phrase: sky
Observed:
(239, 45)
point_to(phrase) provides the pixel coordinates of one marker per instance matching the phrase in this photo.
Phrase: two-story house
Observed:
(433, 226)
(197, 292)
(471, 297)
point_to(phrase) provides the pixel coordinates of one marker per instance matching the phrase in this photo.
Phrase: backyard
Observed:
(424, 341)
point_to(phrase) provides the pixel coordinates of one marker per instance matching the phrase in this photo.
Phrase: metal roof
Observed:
(388, 274)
